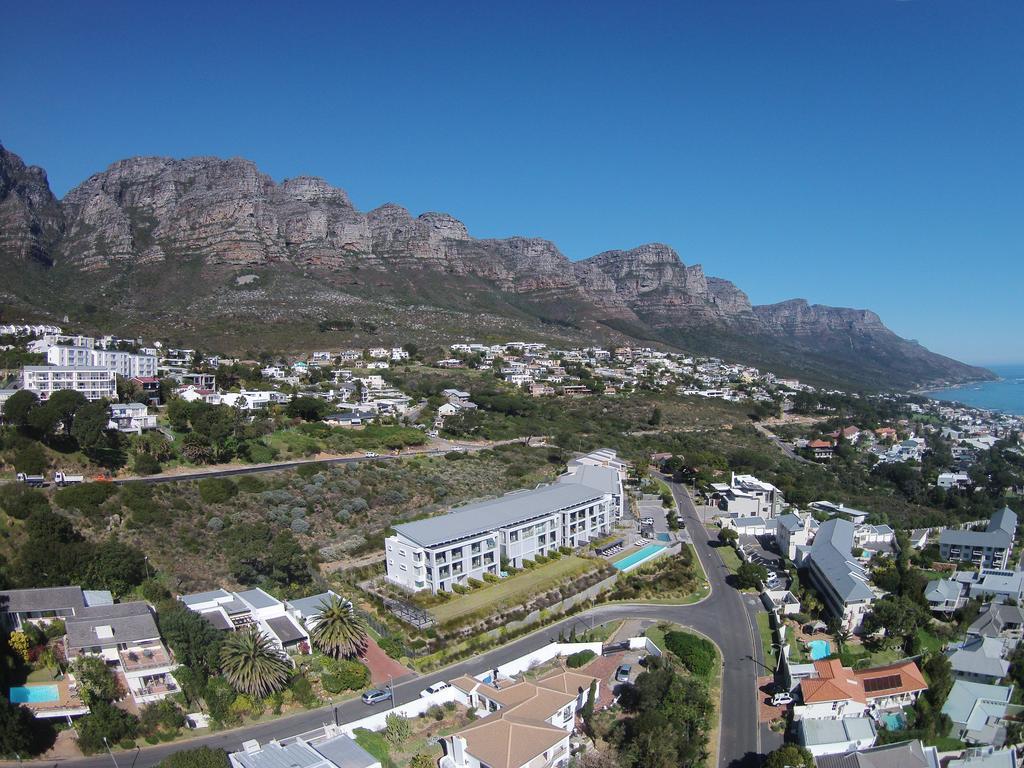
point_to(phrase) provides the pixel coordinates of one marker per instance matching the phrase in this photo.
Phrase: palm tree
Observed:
(339, 631)
(252, 665)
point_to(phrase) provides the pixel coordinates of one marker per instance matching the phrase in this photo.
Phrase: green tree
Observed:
(750, 575)
(339, 631)
(397, 730)
(16, 726)
(31, 459)
(91, 431)
(66, 404)
(252, 664)
(422, 760)
(96, 681)
(178, 413)
(789, 756)
(899, 616)
(18, 407)
(307, 408)
(194, 640)
(202, 757)
(728, 536)
(105, 721)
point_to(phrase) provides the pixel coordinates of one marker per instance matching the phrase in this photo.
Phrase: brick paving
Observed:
(604, 667)
(765, 711)
(381, 665)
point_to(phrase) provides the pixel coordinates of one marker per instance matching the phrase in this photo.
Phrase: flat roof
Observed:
(484, 516)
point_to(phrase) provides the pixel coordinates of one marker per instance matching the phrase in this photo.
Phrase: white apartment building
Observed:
(231, 611)
(746, 496)
(126, 364)
(93, 382)
(470, 541)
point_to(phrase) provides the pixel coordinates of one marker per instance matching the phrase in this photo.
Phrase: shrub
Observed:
(306, 471)
(299, 525)
(202, 757)
(460, 589)
(105, 721)
(250, 484)
(302, 690)
(474, 583)
(540, 559)
(555, 555)
(217, 490)
(345, 675)
(491, 577)
(696, 653)
(579, 659)
(436, 712)
(391, 647)
(31, 459)
(20, 501)
(145, 464)
(397, 730)
(86, 498)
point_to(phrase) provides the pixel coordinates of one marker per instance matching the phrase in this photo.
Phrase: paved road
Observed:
(782, 446)
(724, 616)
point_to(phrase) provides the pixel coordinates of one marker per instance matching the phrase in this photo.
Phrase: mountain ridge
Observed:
(209, 243)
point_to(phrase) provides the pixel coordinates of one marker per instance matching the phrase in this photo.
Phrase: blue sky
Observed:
(865, 153)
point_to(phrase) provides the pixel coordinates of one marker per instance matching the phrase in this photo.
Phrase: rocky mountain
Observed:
(215, 252)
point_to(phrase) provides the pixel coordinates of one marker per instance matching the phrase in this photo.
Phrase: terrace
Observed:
(149, 657)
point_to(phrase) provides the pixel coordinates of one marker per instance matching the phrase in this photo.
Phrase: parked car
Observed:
(781, 699)
(376, 696)
(435, 688)
(370, 455)
(432, 433)
(622, 673)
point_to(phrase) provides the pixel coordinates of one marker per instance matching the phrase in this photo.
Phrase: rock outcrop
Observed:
(161, 234)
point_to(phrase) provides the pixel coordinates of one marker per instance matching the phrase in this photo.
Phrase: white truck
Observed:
(62, 478)
(31, 479)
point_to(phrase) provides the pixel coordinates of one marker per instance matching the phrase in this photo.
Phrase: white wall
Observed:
(377, 720)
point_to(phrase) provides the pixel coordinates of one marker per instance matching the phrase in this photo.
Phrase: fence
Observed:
(378, 720)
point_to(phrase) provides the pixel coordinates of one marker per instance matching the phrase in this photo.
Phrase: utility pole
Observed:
(110, 751)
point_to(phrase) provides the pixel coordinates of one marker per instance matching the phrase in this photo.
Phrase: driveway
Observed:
(724, 616)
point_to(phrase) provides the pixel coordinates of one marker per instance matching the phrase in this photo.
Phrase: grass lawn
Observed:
(514, 589)
(730, 557)
(929, 642)
(45, 675)
(764, 629)
(375, 744)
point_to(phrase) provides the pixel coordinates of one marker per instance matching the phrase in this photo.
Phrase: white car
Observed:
(435, 688)
(781, 699)
(370, 455)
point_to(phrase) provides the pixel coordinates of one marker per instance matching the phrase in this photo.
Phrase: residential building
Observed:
(949, 480)
(231, 611)
(307, 609)
(529, 725)
(982, 659)
(93, 382)
(601, 470)
(794, 530)
(822, 450)
(841, 581)
(998, 620)
(746, 496)
(985, 757)
(945, 596)
(836, 692)
(126, 637)
(855, 516)
(150, 386)
(830, 737)
(978, 712)
(131, 417)
(989, 548)
(875, 538)
(43, 605)
(471, 540)
(126, 364)
(327, 748)
(992, 584)
(905, 754)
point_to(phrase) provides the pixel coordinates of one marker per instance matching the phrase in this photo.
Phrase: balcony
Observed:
(135, 659)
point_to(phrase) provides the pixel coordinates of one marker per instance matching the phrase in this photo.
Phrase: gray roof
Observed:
(821, 732)
(831, 556)
(257, 598)
(307, 607)
(285, 629)
(747, 522)
(345, 753)
(336, 752)
(604, 479)
(942, 590)
(98, 597)
(985, 758)
(906, 754)
(790, 522)
(981, 656)
(204, 597)
(999, 533)
(484, 516)
(42, 599)
(129, 622)
(217, 619)
(972, 703)
(994, 617)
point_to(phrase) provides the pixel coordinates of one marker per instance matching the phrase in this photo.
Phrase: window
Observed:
(404, 567)
(402, 552)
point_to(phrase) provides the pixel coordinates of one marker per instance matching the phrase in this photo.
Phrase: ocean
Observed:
(1005, 395)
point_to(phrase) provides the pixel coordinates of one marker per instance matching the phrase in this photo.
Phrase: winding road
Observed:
(725, 615)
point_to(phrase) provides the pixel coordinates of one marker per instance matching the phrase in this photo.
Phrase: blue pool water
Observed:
(664, 537)
(638, 557)
(34, 694)
(894, 721)
(820, 649)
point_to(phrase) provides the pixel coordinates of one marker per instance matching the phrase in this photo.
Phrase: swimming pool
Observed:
(820, 649)
(894, 721)
(34, 694)
(638, 557)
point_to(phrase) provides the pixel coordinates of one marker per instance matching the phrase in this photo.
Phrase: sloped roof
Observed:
(981, 656)
(831, 554)
(902, 677)
(502, 740)
(833, 683)
(906, 754)
(128, 623)
(41, 599)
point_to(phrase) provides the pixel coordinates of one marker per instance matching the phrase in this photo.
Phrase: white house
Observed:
(836, 692)
(131, 417)
(231, 611)
(746, 496)
(93, 382)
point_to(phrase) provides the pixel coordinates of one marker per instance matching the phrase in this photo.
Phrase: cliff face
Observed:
(31, 220)
(205, 241)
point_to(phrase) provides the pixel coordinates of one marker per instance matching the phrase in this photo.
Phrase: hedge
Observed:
(580, 658)
(696, 653)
